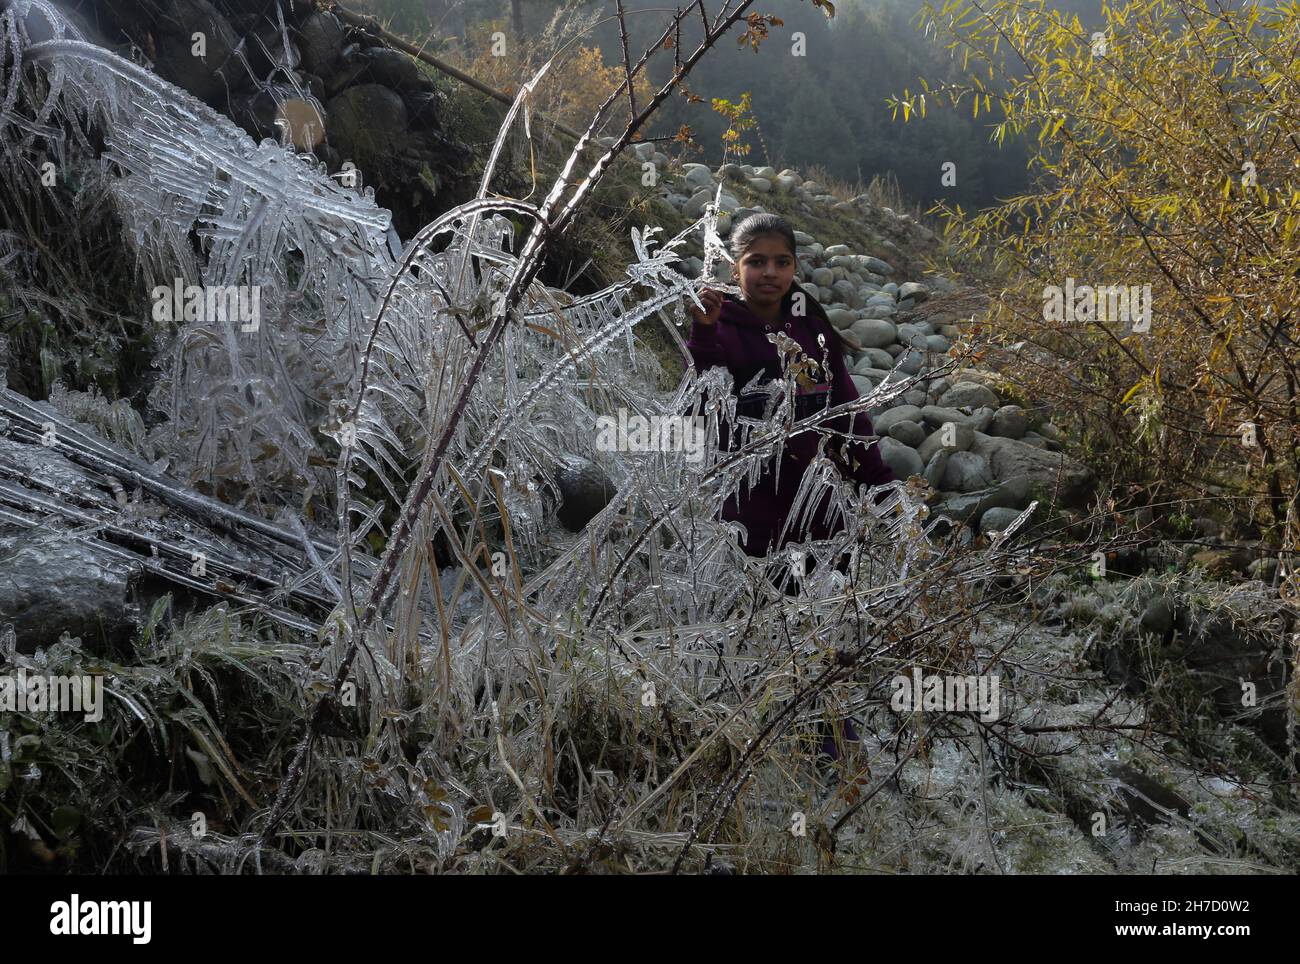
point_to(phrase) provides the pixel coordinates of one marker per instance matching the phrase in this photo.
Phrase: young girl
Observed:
(733, 333)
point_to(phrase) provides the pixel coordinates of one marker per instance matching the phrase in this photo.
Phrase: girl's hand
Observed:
(712, 301)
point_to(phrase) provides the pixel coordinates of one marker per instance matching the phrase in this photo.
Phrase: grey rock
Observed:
(962, 508)
(900, 458)
(879, 358)
(840, 318)
(320, 41)
(876, 266)
(914, 397)
(423, 107)
(695, 206)
(584, 490)
(935, 468)
(996, 519)
(1010, 421)
(951, 436)
(1206, 527)
(1012, 494)
(1010, 459)
(207, 78)
(910, 362)
(367, 124)
(909, 433)
(936, 415)
(971, 506)
(1158, 616)
(847, 292)
(50, 585)
(697, 175)
(914, 290)
(969, 395)
(911, 336)
(980, 419)
(392, 68)
(1036, 440)
(874, 333)
(879, 310)
(937, 343)
(966, 472)
(902, 413)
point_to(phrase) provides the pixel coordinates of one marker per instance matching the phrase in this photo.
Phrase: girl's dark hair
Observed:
(744, 233)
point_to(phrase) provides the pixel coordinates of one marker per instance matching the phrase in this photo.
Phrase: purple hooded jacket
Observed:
(738, 342)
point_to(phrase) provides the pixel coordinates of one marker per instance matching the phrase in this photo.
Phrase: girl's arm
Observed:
(871, 468)
(706, 348)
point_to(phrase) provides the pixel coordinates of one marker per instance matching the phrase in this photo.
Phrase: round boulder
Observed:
(909, 433)
(320, 41)
(997, 519)
(969, 395)
(366, 122)
(1009, 421)
(966, 472)
(914, 290)
(584, 491)
(902, 459)
(875, 332)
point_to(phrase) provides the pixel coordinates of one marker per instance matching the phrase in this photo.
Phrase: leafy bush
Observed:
(1167, 159)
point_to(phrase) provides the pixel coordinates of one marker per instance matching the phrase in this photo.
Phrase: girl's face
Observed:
(766, 270)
